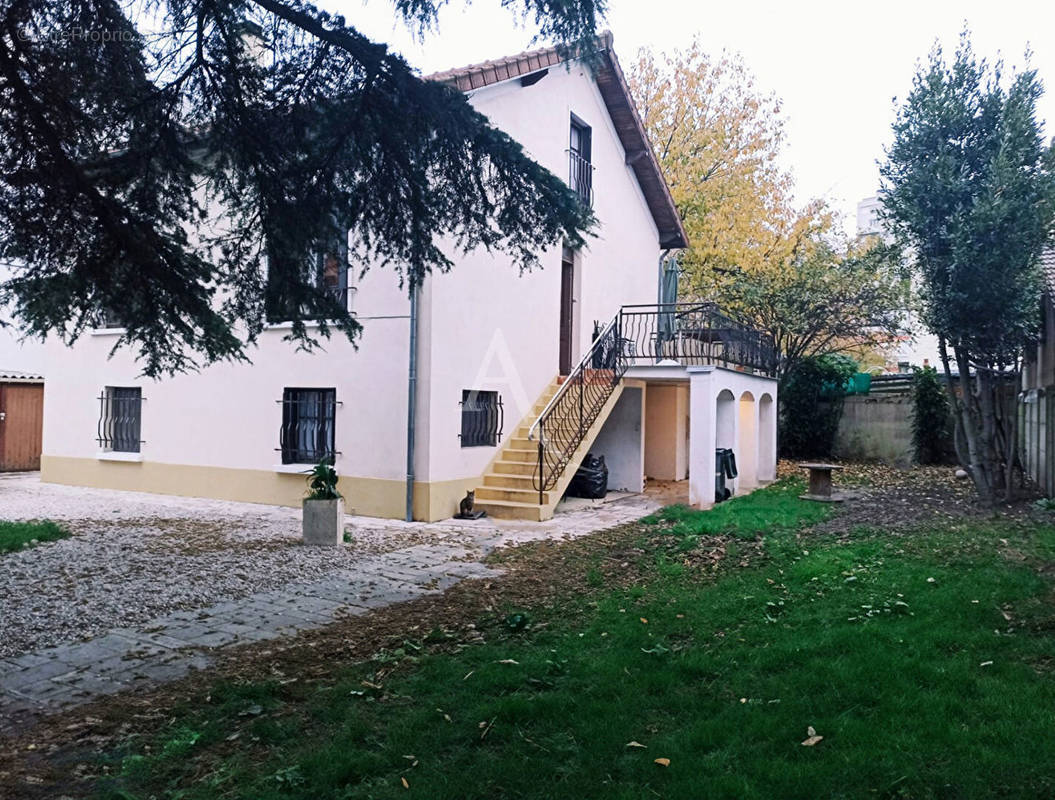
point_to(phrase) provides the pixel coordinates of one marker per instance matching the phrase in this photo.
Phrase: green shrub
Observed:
(931, 423)
(811, 404)
(16, 535)
(322, 482)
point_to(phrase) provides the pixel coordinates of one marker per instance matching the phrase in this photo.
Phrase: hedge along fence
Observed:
(811, 405)
(932, 422)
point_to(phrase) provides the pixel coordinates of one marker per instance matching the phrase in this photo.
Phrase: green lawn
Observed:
(924, 662)
(16, 535)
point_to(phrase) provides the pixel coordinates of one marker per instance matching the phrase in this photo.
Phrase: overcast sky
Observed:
(836, 65)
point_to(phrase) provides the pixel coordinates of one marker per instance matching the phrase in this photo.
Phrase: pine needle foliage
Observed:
(176, 163)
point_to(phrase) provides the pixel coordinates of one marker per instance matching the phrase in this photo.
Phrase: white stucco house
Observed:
(460, 386)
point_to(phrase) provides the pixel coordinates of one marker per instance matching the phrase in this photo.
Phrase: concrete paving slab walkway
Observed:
(168, 646)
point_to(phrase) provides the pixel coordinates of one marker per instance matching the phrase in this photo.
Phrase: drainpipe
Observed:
(412, 400)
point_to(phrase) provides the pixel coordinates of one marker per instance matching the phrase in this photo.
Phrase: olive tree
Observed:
(969, 188)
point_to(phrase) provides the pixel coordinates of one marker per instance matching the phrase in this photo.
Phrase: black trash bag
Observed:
(591, 479)
(730, 464)
(724, 467)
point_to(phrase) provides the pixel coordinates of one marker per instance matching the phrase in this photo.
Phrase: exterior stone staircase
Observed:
(509, 489)
(572, 410)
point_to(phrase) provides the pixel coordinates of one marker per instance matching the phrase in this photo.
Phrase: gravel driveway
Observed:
(135, 556)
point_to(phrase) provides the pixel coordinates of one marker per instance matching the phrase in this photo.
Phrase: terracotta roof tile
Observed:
(19, 376)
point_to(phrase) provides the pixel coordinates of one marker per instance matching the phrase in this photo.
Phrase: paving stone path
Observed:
(168, 647)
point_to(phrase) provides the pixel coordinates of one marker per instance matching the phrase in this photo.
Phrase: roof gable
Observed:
(615, 92)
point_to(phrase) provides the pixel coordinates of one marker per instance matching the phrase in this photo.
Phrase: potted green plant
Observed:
(323, 507)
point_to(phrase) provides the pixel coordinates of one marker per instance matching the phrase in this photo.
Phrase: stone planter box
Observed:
(323, 522)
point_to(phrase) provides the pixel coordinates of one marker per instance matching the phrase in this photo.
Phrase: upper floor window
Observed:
(108, 319)
(120, 418)
(308, 416)
(579, 157)
(329, 268)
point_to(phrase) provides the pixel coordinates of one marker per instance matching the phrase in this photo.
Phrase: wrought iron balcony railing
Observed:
(581, 177)
(694, 334)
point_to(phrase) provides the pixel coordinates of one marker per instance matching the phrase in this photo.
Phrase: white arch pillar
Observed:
(718, 418)
(702, 413)
(767, 438)
(746, 447)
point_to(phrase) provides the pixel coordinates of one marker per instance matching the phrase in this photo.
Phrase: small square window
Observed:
(482, 418)
(120, 419)
(307, 433)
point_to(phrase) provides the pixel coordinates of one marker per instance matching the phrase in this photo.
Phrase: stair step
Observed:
(505, 480)
(507, 509)
(525, 468)
(521, 455)
(528, 495)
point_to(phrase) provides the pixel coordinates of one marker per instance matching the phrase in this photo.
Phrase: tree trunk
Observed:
(1012, 443)
(986, 434)
(959, 439)
(970, 417)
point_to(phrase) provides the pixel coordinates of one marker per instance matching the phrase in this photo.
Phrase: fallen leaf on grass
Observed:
(663, 762)
(811, 737)
(635, 744)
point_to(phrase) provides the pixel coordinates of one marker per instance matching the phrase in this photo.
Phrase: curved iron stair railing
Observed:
(567, 417)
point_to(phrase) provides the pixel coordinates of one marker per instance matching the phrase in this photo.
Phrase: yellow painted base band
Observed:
(371, 497)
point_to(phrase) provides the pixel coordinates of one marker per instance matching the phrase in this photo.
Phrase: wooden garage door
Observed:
(21, 422)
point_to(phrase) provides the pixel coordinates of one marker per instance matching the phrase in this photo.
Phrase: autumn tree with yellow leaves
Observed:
(780, 266)
(719, 138)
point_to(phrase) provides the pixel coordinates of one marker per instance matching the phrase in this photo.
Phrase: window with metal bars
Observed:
(120, 418)
(482, 418)
(307, 433)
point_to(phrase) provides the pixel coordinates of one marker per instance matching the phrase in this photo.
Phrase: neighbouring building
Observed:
(919, 347)
(655, 388)
(1037, 400)
(21, 395)
(21, 420)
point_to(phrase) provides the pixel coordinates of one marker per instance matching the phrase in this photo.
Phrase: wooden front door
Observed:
(21, 423)
(567, 290)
